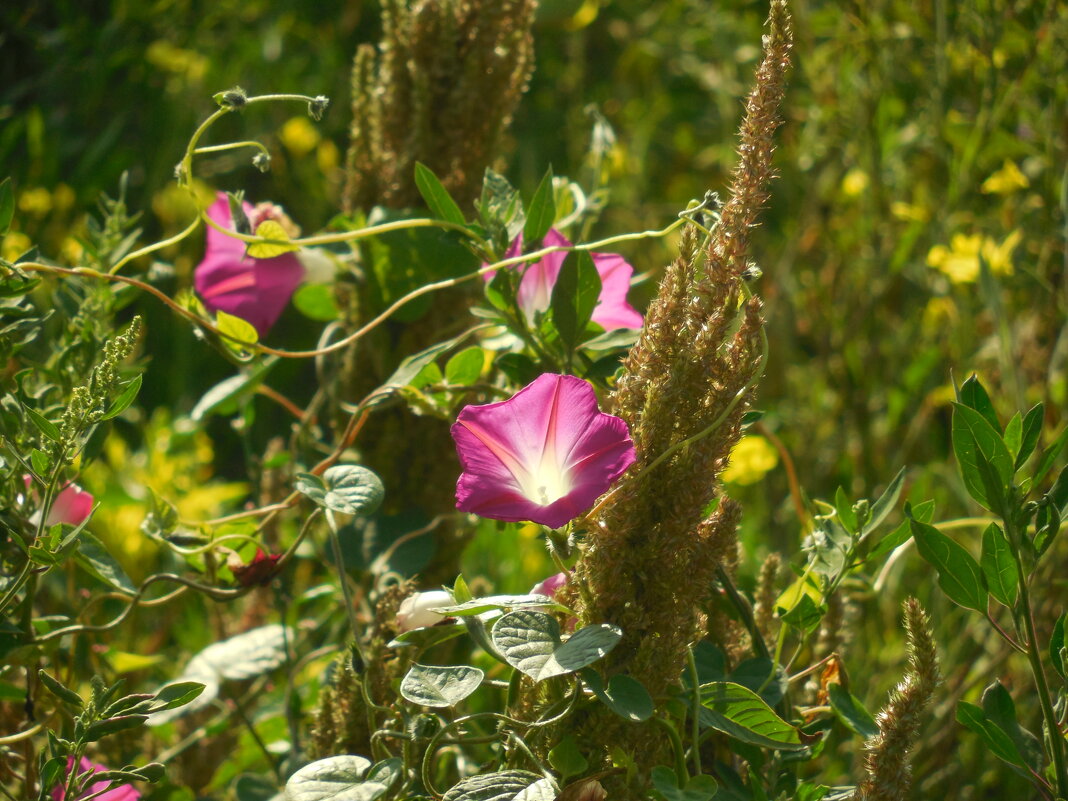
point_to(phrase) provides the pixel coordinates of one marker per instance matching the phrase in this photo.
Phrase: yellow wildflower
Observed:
(71, 250)
(327, 156)
(999, 257)
(299, 136)
(63, 197)
(1006, 180)
(960, 261)
(36, 202)
(15, 244)
(855, 182)
(752, 458)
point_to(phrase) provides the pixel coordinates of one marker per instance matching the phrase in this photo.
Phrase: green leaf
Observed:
(885, 504)
(46, 426)
(253, 787)
(741, 713)
(352, 490)
(999, 743)
(1032, 430)
(488, 603)
(413, 365)
(437, 197)
(507, 785)
(1013, 436)
(844, 507)
(440, 686)
(959, 575)
(238, 333)
(974, 395)
(93, 557)
(1049, 456)
(1001, 712)
(542, 210)
(924, 512)
(102, 728)
(530, 642)
(974, 441)
(7, 205)
(175, 695)
(666, 786)
(279, 244)
(1057, 643)
(625, 696)
(126, 397)
(465, 367)
(60, 690)
(224, 397)
(849, 709)
(999, 568)
(336, 778)
(316, 302)
(805, 615)
(567, 759)
(578, 286)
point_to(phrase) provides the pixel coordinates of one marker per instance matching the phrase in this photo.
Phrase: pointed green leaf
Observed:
(974, 395)
(1031, 431)
(574, 296)
(851, 711)
(741, 713)
(440, 686)
(60, 690)
(844, 507)
(975, 441)
(126, 397)
(93, 556)
(542, 210)
(566, 758)
(924, 512)
(625, 696)
(46, 426)
(465, 367)
(885, 504)
(1049, 456)
(999, 743)
(999, 568)
(1014, 435)
(1057, 643)
(437, 197)
(959, 575)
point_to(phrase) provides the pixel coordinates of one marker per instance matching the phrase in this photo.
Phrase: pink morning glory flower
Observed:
(536, 287)
(550, 586)
(545, 454)
(256, 290)
(72, 505)
(123, 792)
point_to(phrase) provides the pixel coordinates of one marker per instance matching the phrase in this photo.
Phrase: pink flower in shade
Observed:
(536, 287)
(124, 792)
(256, 290)
(545, 454)
(550, 586)
(71, 505)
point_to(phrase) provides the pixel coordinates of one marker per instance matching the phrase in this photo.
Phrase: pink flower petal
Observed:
(536, 287)
(546, 454)
(550, 586)
(124, 792)
(72, 505)
(256, 290)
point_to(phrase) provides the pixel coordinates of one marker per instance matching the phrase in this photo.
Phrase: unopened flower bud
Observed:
(317, 106)
(262, 162)
(231, 98)
(414, 612)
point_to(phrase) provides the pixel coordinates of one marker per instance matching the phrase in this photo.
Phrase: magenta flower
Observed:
(124, 792)
(72, 505)
(536, 287)
(256, 290)
(550, 586)
(545, 454)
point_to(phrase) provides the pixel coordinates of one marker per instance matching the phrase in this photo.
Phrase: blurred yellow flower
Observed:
(175, 206)
(1006, 180)
(960, 261)
(71, 250)
(855, 182)
(63, 197)
(908, 212)
(188, 65)
(327, 156)
(36, 202)
(752, 458)
(299, 136)
(15, 244)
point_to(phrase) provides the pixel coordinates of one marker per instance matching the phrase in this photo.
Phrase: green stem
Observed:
(1056, 739)
(695, 712)
(676, 744)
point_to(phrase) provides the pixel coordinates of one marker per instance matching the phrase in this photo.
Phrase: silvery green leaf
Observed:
(530, 641)
(337, 778)
(352, 490)
(508, 785)
(440, 686)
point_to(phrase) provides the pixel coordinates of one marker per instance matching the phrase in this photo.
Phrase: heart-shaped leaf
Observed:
(666, 785)
(440, 686)
(741, 713)
(530, 642)
(352, 490)
(337, 778)
(508, 785)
